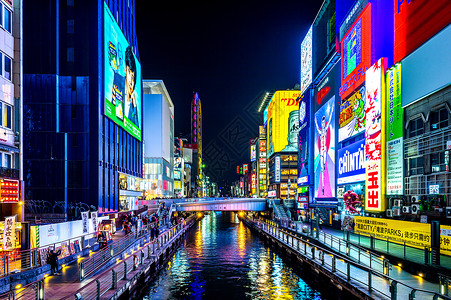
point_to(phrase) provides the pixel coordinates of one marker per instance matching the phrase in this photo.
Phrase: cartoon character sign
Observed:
(351, 202)
(325, 151)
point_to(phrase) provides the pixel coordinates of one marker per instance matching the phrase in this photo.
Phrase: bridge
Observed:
(218, 204)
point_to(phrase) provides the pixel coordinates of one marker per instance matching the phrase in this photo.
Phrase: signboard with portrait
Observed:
(352, 115)
(122, 75)
(324, 164)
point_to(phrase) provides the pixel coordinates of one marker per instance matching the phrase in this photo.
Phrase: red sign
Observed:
(321, 94)
(356, 53)
(262, 144)
(9, 190)
(416, 22)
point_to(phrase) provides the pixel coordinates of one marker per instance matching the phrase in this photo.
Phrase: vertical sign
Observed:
(9, 234)
(84, 222)
(375, 137)
(94, 219)
(303, 150)
(395, 163)
(306, 60)
(277, 169)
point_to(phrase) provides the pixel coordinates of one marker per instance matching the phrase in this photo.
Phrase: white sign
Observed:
(272, 193)
(306, 61)
(95, 221)
(277, 169)
(434, 189)
(9, 234)
(84, 222)
(395, 167)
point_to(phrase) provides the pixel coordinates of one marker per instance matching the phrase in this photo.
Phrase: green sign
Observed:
(394, 109)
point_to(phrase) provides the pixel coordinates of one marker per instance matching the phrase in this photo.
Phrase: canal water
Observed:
(222, 259)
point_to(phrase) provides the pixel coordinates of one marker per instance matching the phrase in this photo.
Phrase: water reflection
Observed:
(222, 259)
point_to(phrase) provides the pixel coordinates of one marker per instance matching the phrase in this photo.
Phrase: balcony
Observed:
(9, 173)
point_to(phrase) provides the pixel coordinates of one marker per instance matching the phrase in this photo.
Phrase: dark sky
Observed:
(229, 52)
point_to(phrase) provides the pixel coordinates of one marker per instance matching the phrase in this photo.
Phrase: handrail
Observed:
(347, 261)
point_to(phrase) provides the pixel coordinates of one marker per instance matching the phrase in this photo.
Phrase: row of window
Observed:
(438, 120)
(433, 163)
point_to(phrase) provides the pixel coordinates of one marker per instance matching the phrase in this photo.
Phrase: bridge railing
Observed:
(375, 278)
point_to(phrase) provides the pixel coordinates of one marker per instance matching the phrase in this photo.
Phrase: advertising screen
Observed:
(303, 153)
(352, 115)
(122, 77)
(375, 137)
(281, 117)
(356, 53)
(394, 129)
(306, 61)
(416, 22)
(325, 150)
(351, 163)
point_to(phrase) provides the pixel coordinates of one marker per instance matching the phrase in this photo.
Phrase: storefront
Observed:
(130, 191)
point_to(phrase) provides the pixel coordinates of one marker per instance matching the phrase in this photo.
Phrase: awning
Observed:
(9, 148)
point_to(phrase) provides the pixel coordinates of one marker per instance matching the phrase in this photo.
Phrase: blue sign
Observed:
(351, 163)
(303, 149)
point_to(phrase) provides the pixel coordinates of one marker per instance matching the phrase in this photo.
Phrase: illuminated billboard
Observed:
(281, 117)
(416, 22)
(375, 137)
(306, 61)
(122, 78)
(324, 164)
(303, 151)
(253, 152)
(326, 87)
(352, 115)
(356, 53)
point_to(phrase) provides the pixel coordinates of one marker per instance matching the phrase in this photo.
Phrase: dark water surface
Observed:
(222, 259)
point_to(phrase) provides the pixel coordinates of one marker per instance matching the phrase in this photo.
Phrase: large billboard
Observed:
(122, 75)
(352, 115)
(394, 129)
(375, 137)
(303, 151)
(325, 150)
(416, 22)
(281, 117)
(356, 53)
(306, 61)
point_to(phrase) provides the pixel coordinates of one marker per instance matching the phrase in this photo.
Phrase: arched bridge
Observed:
(219, 204)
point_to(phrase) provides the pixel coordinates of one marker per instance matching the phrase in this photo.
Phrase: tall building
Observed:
(158, 140)
(11, 176)
(82, 107)
(196, 139)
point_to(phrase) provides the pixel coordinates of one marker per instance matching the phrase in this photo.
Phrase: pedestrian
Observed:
(53, 261)
(152, 233)
(320, 224)
(157, 232)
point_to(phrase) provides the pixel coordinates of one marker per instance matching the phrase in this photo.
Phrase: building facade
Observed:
(82, 112)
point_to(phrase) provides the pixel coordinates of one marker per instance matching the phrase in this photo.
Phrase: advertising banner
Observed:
(306, 61)
(394, 127)
(375, 137)
(122, 75)
(416, 22)
(9, 234)
(253, 152)
(352, 115)
(325, 150)
(412, 233)
(282, 119)
(277, 169)
(95, 221)
(303, 151)
(351, 163)
(356, 53)
(84, 221)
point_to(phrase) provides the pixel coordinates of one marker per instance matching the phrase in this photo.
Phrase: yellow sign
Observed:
(412, 233)
(282, 122)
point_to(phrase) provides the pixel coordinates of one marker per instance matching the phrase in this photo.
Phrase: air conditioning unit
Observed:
(396, 212)
(406, 209)
(414, 199)
(448, 212)
(439, 209)
(415, 208)
(397, 203)
(389, 213)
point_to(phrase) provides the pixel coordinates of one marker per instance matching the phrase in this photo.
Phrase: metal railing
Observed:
(375, 278)
(35, 289)
(22, 260)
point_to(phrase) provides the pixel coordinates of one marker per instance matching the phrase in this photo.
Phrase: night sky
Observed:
(230, 53)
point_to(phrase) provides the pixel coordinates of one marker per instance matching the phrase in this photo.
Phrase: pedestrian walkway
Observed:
(359, 267)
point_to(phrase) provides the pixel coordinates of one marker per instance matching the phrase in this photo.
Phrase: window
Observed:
(70, 54)
(416, 127)
(7, 160)
(7, 116)
(439, 119)
(7, 23)
(438, 162)
(416, 166)
(7, 70)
